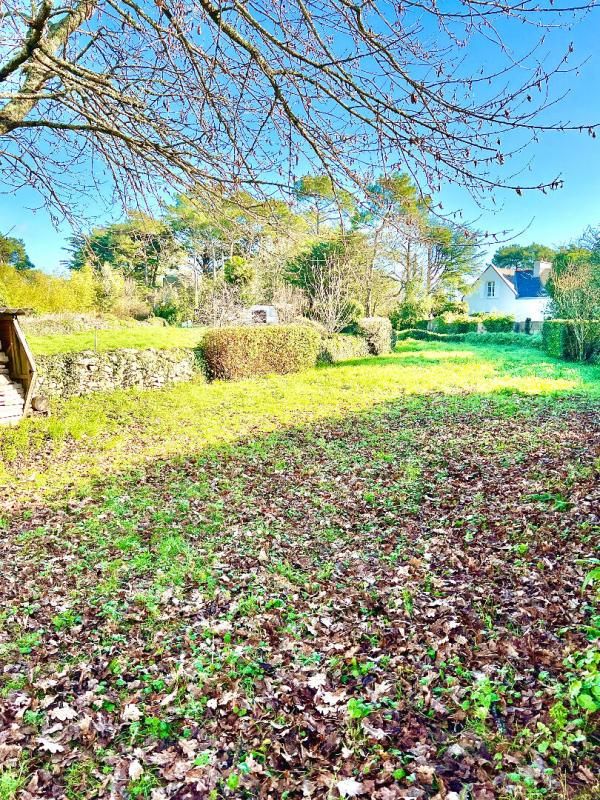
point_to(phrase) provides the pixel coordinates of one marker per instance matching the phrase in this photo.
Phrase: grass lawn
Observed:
(136, 338)
(362, 580)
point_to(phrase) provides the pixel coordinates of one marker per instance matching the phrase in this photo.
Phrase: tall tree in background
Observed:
(516, 256)
(13, 253)
(325, 203)
(143, 247)
(206, 91)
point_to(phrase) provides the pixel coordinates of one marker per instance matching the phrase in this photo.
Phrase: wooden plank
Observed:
(30, 378)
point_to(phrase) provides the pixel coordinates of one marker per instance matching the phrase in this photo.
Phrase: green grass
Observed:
(86, 437)
(136, 338)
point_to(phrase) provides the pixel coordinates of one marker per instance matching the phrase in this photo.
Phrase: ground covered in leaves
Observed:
(392, 605)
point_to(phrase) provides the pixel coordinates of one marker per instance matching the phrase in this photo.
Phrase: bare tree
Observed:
(137, 93)
(331, 302)
(576, 297)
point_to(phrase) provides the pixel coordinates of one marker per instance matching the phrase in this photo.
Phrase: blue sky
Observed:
(551, 219)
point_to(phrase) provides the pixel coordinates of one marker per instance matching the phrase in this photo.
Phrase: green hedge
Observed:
(559, 340)
(497, 323)
(428, 336)
(341, 347)
(246, 351)
(378, 333)
(453, 324)
(510, 339)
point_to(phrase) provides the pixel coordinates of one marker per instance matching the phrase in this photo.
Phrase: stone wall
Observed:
(72, 374)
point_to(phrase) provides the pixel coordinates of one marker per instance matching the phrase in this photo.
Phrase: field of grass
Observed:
(89, 437)
(137, 338)
(363, 580)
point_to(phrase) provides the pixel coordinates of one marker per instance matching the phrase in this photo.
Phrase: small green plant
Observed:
(359, 709)
(143, 786)
(65, 620)
(11, 782)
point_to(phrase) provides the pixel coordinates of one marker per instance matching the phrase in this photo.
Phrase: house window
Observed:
(491, 289)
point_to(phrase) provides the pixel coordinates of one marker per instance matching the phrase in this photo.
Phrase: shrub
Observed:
(246, 351)
(312, 323)
(571, 339)
(507, 339)
(498, 323)
(378, 333)
(512, 339)
(428, 336)
(47, 293)
(238, 271)
(451, 323)
(341, 347)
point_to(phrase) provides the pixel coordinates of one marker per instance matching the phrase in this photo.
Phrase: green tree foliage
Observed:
(13, 253)
(143, 247)
(47, 293)
(326, 204)
(238, 271)
(330, 272)
(516, 256)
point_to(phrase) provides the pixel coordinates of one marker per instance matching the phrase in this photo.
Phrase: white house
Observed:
(521, 293)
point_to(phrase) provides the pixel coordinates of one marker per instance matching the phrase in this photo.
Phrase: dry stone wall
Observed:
(73, 374)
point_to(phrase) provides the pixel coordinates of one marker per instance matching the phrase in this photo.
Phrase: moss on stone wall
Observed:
(73, 374)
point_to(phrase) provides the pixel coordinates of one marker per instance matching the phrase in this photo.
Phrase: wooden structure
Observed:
(17, 368)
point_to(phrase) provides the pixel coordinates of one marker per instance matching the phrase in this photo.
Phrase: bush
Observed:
(378, 333)
(560, 339)
(47, 293)
(428, 336)
(451, 323)
(509, 339)
(341, 347)
(247, 351)
(498, 323)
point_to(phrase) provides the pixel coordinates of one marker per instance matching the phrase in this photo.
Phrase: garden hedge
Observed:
(341, 347)
(511, 339)
(247, 351)
(454, 324)
(558, 339)
(497, 323)
(378, 333)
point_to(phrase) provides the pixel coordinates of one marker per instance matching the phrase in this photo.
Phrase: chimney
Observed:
(542, 270)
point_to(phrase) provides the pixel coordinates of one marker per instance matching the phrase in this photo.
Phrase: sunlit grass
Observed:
(90, 437)
(136, 338)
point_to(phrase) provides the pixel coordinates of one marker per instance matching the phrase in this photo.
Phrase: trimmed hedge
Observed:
(428, 336)
(378, 333)
(559, 340)
(453, 324)
(341, 347)
(508, 339)
(247, 351)
(497, 323)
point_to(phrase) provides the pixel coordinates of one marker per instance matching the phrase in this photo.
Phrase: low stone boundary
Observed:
(74, 374)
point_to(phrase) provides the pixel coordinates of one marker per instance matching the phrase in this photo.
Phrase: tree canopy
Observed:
(140, 94)
(516, 256)
(13, 253)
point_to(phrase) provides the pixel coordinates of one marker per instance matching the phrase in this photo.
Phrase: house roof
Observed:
(522, 282)
(529, 285)
(506, 277)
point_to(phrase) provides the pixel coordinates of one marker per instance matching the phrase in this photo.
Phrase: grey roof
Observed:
(528, 285)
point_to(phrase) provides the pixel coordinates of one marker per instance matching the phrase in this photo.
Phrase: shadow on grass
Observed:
(418, 412)
(98, 435)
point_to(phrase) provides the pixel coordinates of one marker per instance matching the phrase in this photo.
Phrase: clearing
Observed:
(363, 580)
